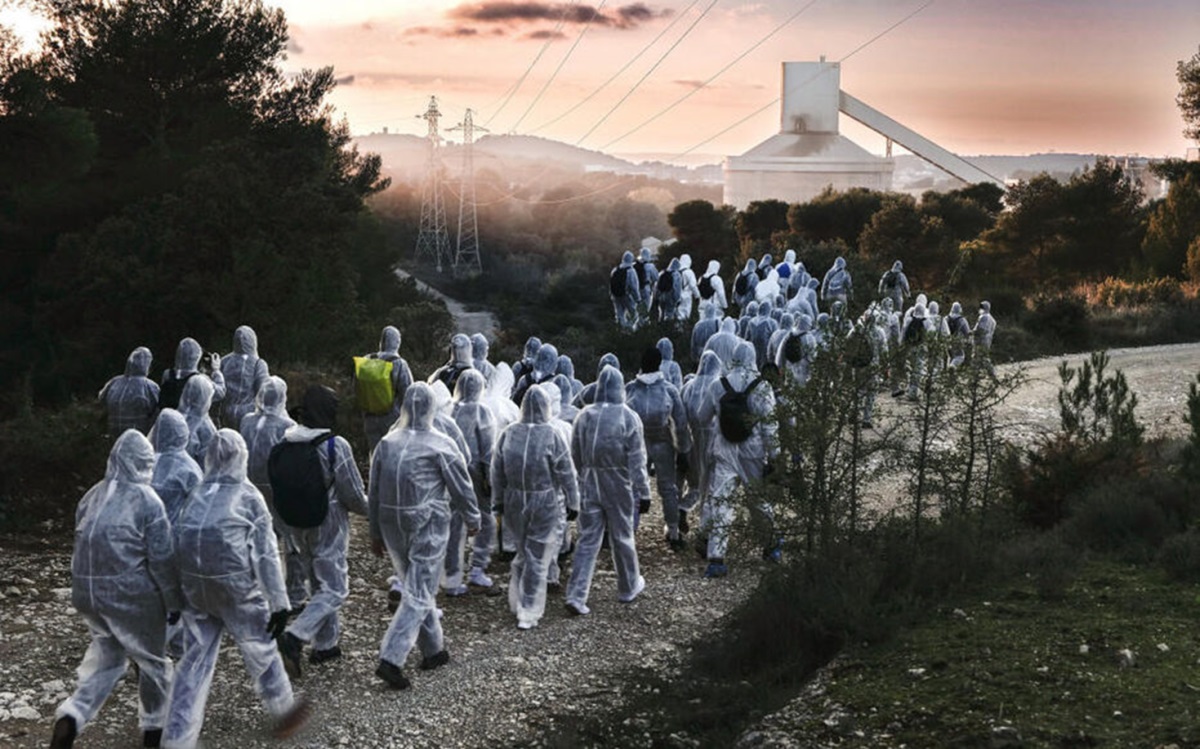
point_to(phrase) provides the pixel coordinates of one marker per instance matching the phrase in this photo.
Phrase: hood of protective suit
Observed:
(764, 309)
(419, 407)
(245, 341)
(956, 310)
(789, 257)
(225, 459)
(803, 324)
(666, 348)
(729, 325)
(674, 265)
(535, 406)
(532, 346)
(627, 259)
(751, 310)
(187, 356)
(138, 363)
(921, 300)
(608, 360)
(131, 459)
(744, 356)
(610, 387)
(814, 284)
(839, 264)
(479, 347)
(319, 408)
(197, 396)
(460, 350)
(751, 266)
(170, 431)
(714, 267)
(442, 400)
(933, 308)
(645, 255)
(787, 320)
(389, 340)
(888, 305)
(272, 397)
(986, 306)
(546, 360)
(709, 366)
(685, 261)
(837, 309)
(469, 388)
(766, 259)
(918, 311)
(565, 366)
(503, 380)
(709, 312)
(897, 266)
(563, 385)
(823, 320)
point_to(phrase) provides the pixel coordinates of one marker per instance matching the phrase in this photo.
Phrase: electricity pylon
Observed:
(466, 254)
(433, 241)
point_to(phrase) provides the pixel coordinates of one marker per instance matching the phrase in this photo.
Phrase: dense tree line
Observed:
(161, 176)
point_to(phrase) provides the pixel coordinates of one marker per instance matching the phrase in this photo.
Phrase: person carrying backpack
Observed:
(375, 381)
(625, 292)
(187, 365)
(460, 361)
(315, 484)
(837, 284)
(741, 407)
(667, 290)
(712, 289)
(894, 285)
(913, 337)
(744, 284)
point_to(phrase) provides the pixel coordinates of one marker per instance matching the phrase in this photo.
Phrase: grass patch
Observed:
(1014, 658)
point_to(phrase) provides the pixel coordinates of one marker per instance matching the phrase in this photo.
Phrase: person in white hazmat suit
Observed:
(194, 405)
(322, 550)
(377, 425)
(131, 399)
(262, 430)
(706, 327)
(587, 396)
(175, 472)
(479, 357)
(124, 584)
(724, 342)
(232, 582)
(479, 429)
(566, 368)
(712, 289)
(796, 352)
(443, 421)
(187, 367)
(417, 475)
(669, 367)
(736, 464)
(531, 469)
(693, 395)
(665, 429)
(690, 293)
(244, 372)
(562, 417)
(609, 452)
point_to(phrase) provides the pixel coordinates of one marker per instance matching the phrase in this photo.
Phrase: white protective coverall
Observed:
(131, 399)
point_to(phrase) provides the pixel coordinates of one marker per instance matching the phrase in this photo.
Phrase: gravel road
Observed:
(503, 686)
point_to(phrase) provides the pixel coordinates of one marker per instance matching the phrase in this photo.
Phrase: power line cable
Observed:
(562, 19)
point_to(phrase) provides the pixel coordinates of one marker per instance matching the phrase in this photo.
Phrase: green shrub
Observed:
(1063, 319)
(1046, 559)
(1117, 292)
(1180, 557)
(1123, 518)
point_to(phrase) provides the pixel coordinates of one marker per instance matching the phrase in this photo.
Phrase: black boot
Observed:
(152, 737)
(64, 733)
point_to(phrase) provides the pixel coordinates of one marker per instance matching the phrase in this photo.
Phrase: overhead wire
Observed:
(562, 19)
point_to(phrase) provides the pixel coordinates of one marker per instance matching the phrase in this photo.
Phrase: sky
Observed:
(975, 76)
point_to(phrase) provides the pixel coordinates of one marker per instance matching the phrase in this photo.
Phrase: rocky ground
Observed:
(503, 686)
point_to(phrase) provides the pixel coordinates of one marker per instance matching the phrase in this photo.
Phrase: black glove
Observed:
(644, 506)
(682, 464)
(572, 514)
(172, 617)
(277, 623)
(497, 508)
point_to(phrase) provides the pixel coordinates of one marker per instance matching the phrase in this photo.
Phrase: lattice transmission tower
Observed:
(433, 241)
(466, 253)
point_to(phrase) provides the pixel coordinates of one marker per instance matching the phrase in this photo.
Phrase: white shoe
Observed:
(455, 592)
(479, 578)
(578, 609)
(638, 587)
(525, 624)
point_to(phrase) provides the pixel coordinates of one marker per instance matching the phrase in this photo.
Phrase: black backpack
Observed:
(793, 348)
(171, 390)
(958, 326)
(301, 491)
(742, 284)
(890, 279)
(915, 332)
(617, 281)
(706, 287)
(449, 375)
(735, 417)
(666, 282)
(639, 267)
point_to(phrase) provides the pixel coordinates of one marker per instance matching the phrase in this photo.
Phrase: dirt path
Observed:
(464, 321)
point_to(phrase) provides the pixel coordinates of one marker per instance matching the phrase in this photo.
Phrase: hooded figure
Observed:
(461, 359)
(545, 366)
(690, 290)
(566, 368)
(566, 409)
(744, 284)
(765, 266)
(914, 335)
(799, 305)
(175, 472)
(647, 275)
(668, 289)
(262, 430)
(712, 288)
(123, 584)
(893, 285)
(768, 288)
(587, 396)
(786, 321)
(693, 395)
(665, 430)
(187, 364)
(479, 429)
(724, 342)
(417, 475)
(479, 357)
(735, 464)
(610, 453)
(532, 346)
(982, 333)
(498, 397)
(194, 405)
(531, 468)
(322, 550)
(837, 284)
(443, 421)
(785, 269)
(796, 352)
(669, 367)
(377, 425)
(244, 374)
(759, 332)
(131, 399)
(958, 333)
(232, 581)
(625, 292)
(705, 328)
(749, 312)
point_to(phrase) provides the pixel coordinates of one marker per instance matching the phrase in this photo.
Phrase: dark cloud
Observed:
(345, 80)
(513, 12)
(689, 84)
(546, 34)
